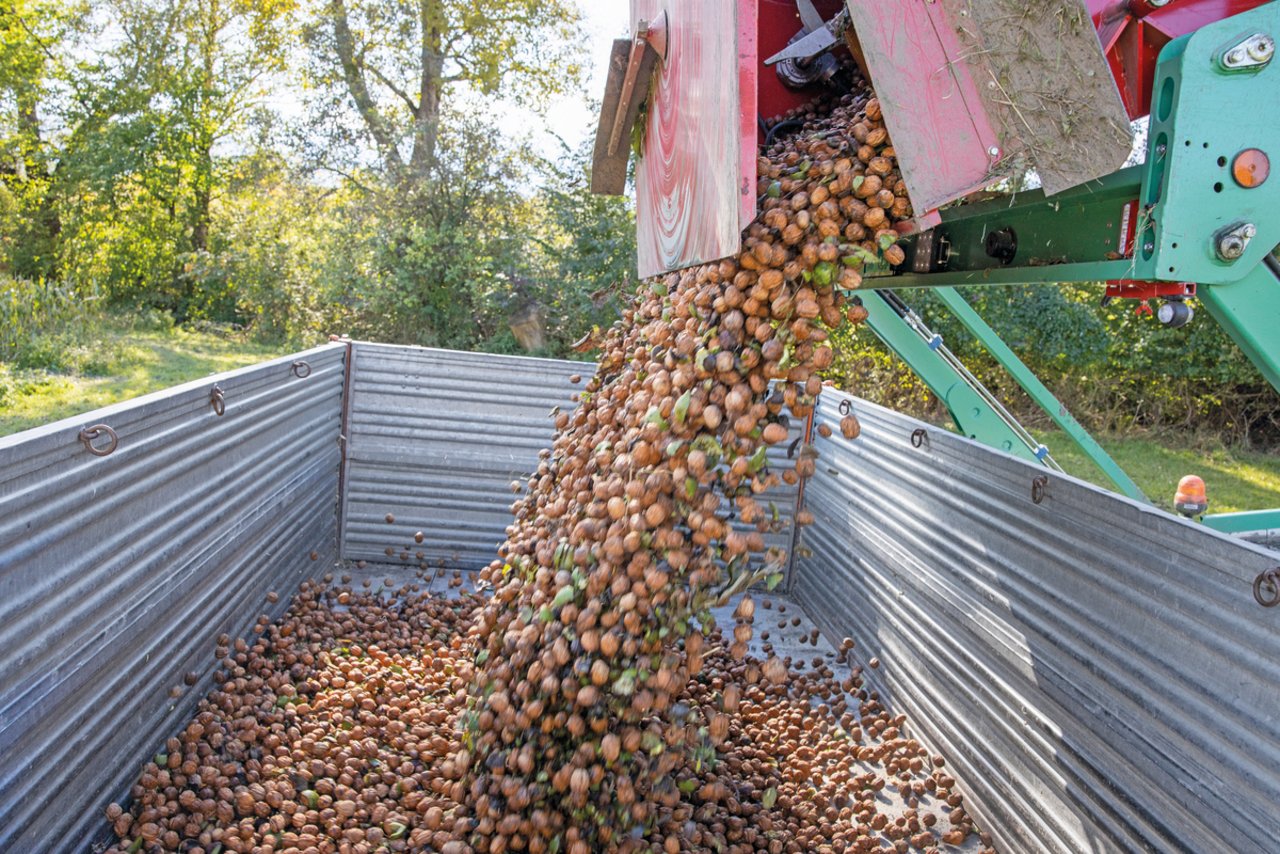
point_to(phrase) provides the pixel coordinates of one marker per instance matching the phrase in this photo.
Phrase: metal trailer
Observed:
(1101, 675)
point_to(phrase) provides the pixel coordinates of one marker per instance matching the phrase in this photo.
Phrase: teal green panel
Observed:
(1241, 523)
(1202, 116)
(1249, 311)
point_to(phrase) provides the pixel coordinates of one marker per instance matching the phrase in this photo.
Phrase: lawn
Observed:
(1235, 479)
(121, 363)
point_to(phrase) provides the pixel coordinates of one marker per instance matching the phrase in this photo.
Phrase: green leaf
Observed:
(681, 410)
(770, 797)
(654, 416)
(545, 615)
(774, 579)
(824, 272)
(758, 460)
(690, 487)
(563, 597)
(775, 190)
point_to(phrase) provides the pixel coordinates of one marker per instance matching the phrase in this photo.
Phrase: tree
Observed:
(177, 79)
(31, 34)
(399, 63)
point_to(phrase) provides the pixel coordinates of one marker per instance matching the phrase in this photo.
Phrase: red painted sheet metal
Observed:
(778, 22)
(690, 180)
(748, 108)
(1133, 34)
(932, 106)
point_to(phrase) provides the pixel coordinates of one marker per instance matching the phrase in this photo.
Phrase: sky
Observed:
(573, 117)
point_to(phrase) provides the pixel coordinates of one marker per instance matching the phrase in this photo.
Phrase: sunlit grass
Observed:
(133, 363)
(1235, 479)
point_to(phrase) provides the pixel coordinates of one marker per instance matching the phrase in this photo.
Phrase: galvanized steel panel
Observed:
(1096, 671)
(435, 439)
(117, 573)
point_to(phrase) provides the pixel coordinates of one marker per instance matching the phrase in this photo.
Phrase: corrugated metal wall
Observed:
(117, 573)
(437, 436)
(1096, 672)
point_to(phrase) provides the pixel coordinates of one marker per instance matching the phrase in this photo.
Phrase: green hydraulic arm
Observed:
(973, 409)
(1201, 208)
(1038, 391)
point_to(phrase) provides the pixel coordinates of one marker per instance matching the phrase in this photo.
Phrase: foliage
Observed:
(1114, 368)
(399, 66)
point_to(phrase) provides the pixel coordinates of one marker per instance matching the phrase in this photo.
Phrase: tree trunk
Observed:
(426, 129)
(358, 88)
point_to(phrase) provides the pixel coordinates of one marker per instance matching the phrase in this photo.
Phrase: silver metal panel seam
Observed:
(117, 573)
(1096, 672)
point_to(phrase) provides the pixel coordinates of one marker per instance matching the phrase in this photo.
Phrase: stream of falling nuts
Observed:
(587, 700)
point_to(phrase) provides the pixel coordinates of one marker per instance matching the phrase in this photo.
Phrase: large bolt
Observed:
(1261, 48)
(1233, 241)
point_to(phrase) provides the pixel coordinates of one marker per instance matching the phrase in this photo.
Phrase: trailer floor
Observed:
(789, 642)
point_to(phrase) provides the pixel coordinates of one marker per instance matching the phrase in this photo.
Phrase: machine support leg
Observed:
(975, 412)
(1249, 311)
(1038, 391)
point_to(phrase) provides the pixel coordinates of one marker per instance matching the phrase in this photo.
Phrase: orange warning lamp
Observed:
(1190, 499)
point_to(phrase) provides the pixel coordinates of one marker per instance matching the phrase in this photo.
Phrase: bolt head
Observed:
(1260, 49)
(1235, 57)
(993, 151)
(1231, 247)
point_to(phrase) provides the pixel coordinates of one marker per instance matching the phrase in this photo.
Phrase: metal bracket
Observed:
(1252, 53)
(1231, 242)
(218, 400)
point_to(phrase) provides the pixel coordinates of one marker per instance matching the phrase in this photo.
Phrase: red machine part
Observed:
(778, 21)
(1135, 289)
(695, 184)
(1133, 32)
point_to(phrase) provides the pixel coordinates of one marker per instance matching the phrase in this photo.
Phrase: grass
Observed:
(1235, 479)
(123, 361)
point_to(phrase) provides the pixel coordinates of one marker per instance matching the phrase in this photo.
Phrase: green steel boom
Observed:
(1181, 216)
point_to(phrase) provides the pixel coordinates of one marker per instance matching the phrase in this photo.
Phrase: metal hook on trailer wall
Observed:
(300, 369)
(1039, 488)
(919, 437)
(1266, 588)
(218, 400)
(89, 434)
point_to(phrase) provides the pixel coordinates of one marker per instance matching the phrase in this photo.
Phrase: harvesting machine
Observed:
(981, 96)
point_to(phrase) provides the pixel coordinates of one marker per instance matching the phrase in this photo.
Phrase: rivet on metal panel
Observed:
(218, 400)
(1266, 588)
(1039, 488)
(919, 437)
(88, 434)
(300, 369)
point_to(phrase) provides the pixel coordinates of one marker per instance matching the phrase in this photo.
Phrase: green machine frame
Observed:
(1178, 217)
